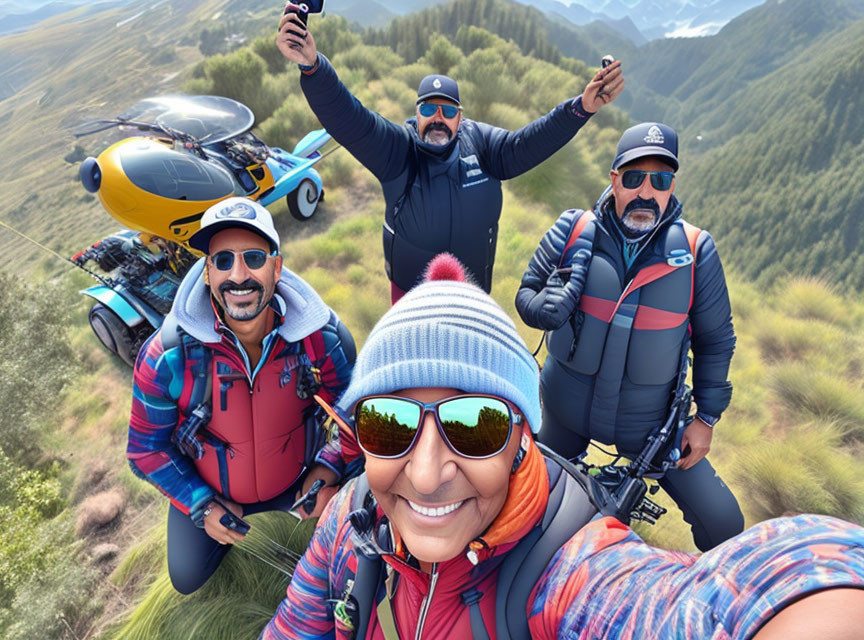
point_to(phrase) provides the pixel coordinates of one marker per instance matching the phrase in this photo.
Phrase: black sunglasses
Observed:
(660, 180)
(473, 426)
(254, 258)
(428, 109)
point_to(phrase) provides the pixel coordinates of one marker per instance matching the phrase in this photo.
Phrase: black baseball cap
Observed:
(437, 86)
(648, 139)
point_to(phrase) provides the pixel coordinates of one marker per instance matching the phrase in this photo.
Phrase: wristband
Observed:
(308, 68)
(707, 419)
(577, 108)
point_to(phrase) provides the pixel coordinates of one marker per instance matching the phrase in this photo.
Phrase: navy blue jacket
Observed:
(712, 338)
(437, 198)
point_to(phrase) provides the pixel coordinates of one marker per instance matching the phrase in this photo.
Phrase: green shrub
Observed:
(289, 123)
(35, 361)
(55, 602)
(332, 36)
(814, 299)
(441, 56)
(376, 62)
(265, 46)
(412, 74)
(506, 116)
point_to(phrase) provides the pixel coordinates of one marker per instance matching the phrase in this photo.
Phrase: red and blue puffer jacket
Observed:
(256, 444)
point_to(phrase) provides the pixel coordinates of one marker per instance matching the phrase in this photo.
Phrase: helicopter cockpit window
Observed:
(175, 175)
(208, 119)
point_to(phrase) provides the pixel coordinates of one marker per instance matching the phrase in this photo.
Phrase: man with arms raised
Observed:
(441, 173)
(222, 412)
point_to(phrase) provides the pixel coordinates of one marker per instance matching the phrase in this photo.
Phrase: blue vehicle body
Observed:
(130, 309)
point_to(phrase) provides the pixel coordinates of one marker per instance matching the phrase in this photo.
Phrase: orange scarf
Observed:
(526, 499)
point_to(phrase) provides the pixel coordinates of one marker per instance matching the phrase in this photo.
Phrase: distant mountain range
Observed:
(639, 21)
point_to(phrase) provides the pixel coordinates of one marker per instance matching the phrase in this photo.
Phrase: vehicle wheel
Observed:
(303, 201)
(112, 332)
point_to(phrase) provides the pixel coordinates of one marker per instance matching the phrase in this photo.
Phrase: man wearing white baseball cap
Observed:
(223, 419)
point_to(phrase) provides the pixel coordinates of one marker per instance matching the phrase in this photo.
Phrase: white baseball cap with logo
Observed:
(235, 213)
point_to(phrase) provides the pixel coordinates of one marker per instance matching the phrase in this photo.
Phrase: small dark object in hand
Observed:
(305, 8)
(235, 523)
(607, 60)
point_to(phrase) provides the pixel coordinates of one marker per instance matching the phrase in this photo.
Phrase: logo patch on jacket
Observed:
(473, 171)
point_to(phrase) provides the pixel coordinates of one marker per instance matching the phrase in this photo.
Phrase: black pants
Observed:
(709, 507)
(193, 556)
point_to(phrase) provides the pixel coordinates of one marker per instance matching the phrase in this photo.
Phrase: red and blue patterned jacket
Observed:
(163, 379)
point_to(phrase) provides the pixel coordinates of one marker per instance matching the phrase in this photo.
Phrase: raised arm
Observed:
(380, 145)
(511, 153)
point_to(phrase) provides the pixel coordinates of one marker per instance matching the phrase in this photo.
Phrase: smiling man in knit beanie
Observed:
(460, 527)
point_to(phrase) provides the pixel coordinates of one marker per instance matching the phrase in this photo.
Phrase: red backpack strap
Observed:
(692, 232)
(575, 231)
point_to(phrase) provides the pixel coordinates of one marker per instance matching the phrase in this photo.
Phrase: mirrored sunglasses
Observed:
(428, 109)
(473, 426)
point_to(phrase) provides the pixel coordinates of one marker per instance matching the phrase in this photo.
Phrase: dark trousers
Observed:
(193, 556)
(709, 507)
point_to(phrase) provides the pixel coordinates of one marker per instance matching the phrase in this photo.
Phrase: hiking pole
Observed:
(57, 255)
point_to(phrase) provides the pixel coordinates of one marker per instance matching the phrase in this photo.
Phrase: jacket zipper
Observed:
(427, 601)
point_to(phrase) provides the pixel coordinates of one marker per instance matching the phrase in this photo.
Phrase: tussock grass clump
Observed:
(237, 601)
(805, 471)
(823, 395)
(814, 299)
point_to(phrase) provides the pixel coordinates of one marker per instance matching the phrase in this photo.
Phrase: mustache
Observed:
(248, 283)
(640, 203)
(436, 126)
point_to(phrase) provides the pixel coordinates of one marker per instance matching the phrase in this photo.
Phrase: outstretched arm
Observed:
(511, 153)
(380, 145)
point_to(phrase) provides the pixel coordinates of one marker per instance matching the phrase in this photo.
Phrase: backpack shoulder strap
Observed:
(582, 229)
(569, 509)
(692, 232)
(196, 356)
(369, 575)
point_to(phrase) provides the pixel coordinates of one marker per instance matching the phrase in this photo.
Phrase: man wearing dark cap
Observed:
(223, 418)
(441, 173)
(625, 292)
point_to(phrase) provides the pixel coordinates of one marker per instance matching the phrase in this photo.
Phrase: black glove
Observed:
(562, 300)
